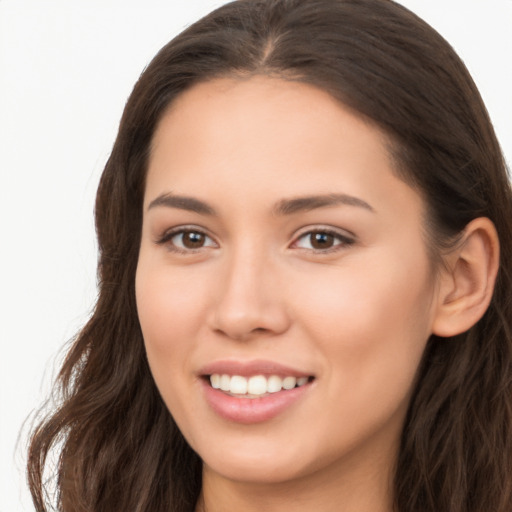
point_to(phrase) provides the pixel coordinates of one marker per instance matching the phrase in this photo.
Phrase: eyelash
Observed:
(166, 239)
(342, 239)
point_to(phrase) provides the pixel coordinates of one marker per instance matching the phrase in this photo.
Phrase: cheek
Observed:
(372, 321)
(169, 310)
(372, 329)
(366, 299)
(169, 306)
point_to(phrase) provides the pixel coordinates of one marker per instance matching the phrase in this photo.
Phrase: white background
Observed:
(66, 69)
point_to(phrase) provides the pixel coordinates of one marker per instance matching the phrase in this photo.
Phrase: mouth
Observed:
(255, 386)
(252, 392)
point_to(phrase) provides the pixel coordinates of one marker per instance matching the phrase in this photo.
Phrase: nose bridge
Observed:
(249, 300)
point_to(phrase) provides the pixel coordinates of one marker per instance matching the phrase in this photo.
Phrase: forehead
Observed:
(247, 103)
(232, 137)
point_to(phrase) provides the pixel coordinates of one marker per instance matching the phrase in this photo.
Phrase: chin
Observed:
(264, 471)
(261, 459)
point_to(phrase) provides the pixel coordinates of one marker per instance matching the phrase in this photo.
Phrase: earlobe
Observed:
(467, 284)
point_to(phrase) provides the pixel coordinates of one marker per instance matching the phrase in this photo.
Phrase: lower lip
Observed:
(252, 410)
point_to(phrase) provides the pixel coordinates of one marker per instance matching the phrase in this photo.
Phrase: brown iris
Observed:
(193, 239)
(321, 240)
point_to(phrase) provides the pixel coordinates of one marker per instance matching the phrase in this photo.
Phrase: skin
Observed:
(356, 316)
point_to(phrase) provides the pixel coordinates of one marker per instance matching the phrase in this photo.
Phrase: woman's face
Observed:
(280, 251)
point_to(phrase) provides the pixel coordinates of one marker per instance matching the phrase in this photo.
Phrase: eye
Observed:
(322, 240)
(183, 240)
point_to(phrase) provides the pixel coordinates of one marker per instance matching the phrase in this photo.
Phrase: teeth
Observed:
(238, 385)
(257, 385)
(215, 381)
(274, 384)
(225, 382)
(254, 386)
(289, 382)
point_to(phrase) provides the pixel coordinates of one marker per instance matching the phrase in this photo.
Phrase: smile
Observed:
(255, 386)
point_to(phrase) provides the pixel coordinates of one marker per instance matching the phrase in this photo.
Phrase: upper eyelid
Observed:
(185, 227)
(345, 239)
(167, 234)
(323, 228)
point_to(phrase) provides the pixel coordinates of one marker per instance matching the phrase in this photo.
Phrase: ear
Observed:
(467, 284)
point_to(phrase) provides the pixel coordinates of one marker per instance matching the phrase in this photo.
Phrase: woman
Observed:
(304, 233)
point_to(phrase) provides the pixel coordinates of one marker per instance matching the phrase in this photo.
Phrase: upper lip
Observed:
(249, 368)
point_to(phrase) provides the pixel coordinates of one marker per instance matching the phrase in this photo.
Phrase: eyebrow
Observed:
(183, 203)
(283, 207)
(302, 204)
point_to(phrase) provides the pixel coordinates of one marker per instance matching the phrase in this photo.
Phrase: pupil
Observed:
(322, 240)
(193, 240)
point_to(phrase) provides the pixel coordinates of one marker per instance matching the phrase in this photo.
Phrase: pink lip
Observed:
(249, 368)
(251, 410)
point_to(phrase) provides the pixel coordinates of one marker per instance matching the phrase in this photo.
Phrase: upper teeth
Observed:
(256, 385)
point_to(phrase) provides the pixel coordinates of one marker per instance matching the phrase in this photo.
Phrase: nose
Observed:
(249, 301)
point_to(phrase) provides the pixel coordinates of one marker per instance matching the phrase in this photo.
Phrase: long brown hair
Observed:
(118, 446)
